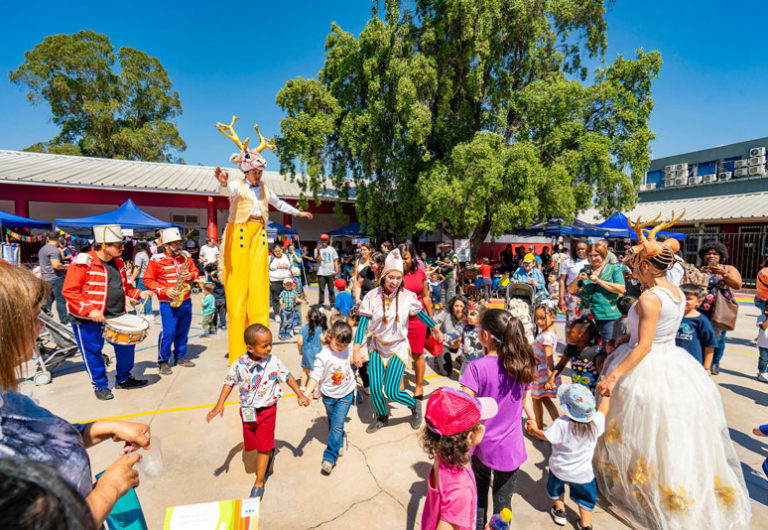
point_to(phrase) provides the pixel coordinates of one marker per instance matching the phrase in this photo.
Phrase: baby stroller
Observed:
(55, 344)
(520, 302)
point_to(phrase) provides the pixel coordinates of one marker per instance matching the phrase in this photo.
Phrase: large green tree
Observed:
(104, 109)
(472, 116)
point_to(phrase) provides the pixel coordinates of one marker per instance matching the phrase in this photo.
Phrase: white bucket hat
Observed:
(107, 234)
(393, 263)
(169, 235)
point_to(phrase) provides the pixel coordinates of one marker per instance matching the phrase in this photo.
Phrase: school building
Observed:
(47, 186)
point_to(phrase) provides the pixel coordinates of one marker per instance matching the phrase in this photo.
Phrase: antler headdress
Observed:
(246, 159)
(647, 247)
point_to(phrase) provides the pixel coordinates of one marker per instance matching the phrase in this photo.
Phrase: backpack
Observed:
(695, 276)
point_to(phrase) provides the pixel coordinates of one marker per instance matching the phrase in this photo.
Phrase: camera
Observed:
(587, 269)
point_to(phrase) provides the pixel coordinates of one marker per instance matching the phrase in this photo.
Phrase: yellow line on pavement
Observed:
(191, 407)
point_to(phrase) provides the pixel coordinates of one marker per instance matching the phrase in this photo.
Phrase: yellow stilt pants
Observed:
(246, 277)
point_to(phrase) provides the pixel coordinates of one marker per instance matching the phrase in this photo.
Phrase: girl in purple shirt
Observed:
(504, 374)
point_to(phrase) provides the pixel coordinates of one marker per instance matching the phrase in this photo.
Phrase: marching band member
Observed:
(95, 288)
(168, 274)
(245, 270)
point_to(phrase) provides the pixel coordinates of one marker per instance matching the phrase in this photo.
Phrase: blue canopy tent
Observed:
(8, 220)
(128, 215)
(619, 224)
(351, 230)
(276, 229)
(556, 227)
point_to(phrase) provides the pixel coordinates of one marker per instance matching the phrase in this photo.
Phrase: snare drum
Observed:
(125, 330)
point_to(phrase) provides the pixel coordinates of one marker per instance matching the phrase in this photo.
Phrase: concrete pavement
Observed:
(380, 480)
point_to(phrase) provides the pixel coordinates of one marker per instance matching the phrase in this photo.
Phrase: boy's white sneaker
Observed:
(326, 467)
(763, 377)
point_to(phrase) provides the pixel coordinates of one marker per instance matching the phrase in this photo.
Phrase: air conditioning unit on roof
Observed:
(706, 179)
(692, 181)
(681, 173)
(738, 164)
(669, 169)
(648, 187)
(741, 172)
(757, 171)
(681, 181)
(725, 175)
(757, 161)
(681, 167)
(757, 151)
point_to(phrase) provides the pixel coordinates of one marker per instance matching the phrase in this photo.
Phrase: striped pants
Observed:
(386, 380)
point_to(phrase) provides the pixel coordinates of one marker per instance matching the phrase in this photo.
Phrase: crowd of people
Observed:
(644, 331)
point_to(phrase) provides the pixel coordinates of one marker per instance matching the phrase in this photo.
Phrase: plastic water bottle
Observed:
(500, 521)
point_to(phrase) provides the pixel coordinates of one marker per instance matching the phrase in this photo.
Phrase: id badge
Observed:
(249, 414)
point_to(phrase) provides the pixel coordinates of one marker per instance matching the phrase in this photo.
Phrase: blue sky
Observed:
(233, 59)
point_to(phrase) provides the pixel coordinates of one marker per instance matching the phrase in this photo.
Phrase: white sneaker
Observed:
(763, 377)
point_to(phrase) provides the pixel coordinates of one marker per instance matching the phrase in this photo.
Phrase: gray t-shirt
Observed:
(141, 260)
(326, 256)
(44, 256)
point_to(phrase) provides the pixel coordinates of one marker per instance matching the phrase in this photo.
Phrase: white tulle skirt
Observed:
(666, 459)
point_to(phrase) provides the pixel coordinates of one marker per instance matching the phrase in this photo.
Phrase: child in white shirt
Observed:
(332, 373)
(573, 437)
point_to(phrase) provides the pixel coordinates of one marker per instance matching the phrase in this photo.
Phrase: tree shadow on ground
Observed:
(418, 490)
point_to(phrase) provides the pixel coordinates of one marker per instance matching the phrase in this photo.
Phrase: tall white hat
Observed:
(107, 234)
(394, 262)
(169, 235)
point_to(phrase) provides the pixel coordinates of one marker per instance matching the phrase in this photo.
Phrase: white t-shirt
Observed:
(762, 334)
(571, 459)
(334, 373)
(327, 256)
(572, 268)
(675, 274)
(208, 254)
(279, 268)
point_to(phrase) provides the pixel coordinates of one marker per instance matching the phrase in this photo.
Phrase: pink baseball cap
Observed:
(451, 411)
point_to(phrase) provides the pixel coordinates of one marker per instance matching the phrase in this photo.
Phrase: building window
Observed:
(187, 221)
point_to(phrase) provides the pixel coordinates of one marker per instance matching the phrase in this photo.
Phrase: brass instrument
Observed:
(182, 287)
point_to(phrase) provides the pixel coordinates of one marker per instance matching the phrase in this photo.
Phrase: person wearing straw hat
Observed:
(167, 274)
(245, 265)
(95, 288)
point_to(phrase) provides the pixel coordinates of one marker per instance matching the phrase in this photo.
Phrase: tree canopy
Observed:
(124, 113)
(472, 116)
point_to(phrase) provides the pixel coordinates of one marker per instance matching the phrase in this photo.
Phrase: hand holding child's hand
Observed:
(215, 411)
(529, 426)
(438, 335)
(303, 400)
(550, 384)
(357, 358)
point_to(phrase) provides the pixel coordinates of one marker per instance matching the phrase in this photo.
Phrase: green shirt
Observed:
(445, 271)
(601, 302)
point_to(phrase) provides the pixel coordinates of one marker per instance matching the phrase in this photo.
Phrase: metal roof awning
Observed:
(722, 209)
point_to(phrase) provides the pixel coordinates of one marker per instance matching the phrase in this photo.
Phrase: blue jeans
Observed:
(287, 317)
(91, 342)
(176, 323)
(148, 301)
(336, 409)
(762, 363)
(720, 348)
(605, 329)
(585, 495)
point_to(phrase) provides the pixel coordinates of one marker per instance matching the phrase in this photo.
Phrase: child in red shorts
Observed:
(258, 375)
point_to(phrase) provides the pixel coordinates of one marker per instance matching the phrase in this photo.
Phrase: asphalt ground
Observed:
(379, 482)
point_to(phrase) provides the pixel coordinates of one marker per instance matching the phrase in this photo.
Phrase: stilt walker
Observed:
(245, 263)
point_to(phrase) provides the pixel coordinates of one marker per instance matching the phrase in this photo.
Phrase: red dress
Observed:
(417, 330)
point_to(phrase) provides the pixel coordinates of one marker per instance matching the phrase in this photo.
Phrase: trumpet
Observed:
(182, 287)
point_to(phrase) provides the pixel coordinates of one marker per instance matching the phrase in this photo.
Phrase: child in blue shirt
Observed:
(344, 300)
(696, 334)
(209, 311)
(310, 342)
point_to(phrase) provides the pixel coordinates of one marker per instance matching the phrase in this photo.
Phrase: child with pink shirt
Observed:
(504, 374)
(453, 426)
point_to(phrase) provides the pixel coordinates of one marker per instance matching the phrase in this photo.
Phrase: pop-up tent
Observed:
(351, 230)
(8, 220)
(276, 229)
(618, 224)
(556, 227)
(128, 215)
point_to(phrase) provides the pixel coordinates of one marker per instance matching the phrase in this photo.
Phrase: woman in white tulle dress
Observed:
(666, 459)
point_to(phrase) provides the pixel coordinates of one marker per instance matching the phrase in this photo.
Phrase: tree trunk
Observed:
(479, 235)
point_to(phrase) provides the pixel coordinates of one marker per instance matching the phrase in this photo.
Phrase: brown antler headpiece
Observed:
(246, 159)
(647, 247)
